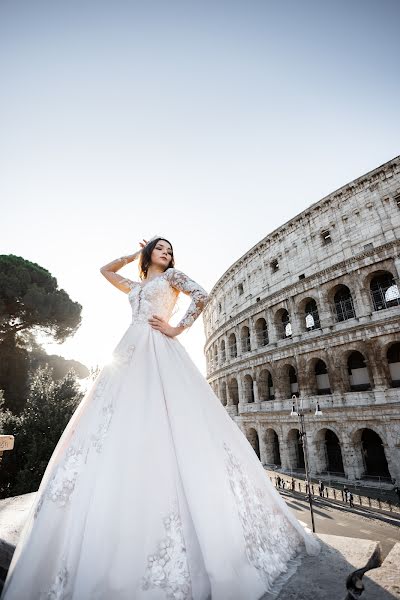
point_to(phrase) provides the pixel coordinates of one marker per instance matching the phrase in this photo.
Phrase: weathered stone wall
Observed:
(314, 310)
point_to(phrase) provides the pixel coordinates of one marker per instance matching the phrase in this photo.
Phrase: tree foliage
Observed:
(37, 430)
(30, 301)
(30, 298)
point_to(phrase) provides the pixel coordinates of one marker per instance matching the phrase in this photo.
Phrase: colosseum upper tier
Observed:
(313, 310)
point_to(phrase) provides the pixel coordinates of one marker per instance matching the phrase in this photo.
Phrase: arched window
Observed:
(245, 339)
(252, 437)
(322, 377)
(358, 372)
(261, 332)
(384, 291)
(223, 393)
(393, 358)
(223, 353)
(248, 388)
(286, 326)
(312, 316)
(273, 454)
(265, 386)
(344, 306)
(294, 387)
(374, 454)
(233, 391)
(215, 356)
(232, 346)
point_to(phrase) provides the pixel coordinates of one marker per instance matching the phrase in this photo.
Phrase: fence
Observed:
(299, 485)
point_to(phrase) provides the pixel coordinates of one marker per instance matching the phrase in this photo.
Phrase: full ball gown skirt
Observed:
(153, 492)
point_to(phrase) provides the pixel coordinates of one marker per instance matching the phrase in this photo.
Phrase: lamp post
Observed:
(298, 411)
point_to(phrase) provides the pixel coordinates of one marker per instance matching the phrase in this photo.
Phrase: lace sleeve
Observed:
(109, 271)
(199, 296)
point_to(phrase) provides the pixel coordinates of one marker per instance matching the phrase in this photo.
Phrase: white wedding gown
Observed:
(153, 492)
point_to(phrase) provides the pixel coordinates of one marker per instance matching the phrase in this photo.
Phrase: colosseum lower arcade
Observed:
(313, 310)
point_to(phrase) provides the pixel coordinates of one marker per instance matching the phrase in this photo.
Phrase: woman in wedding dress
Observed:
(153, 492)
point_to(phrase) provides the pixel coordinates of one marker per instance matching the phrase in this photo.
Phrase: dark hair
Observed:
(145, 257)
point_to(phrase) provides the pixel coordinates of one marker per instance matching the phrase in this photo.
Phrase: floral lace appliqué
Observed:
(58, 590)
(199, 296)
(167, 568)
(124, 357)
(64, 479)
(98, 438)
(271, 541)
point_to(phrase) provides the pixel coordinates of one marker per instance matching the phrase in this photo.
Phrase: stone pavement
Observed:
(319, 577)
(323, 577)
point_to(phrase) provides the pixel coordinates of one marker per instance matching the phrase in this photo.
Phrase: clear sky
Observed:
(210, 123)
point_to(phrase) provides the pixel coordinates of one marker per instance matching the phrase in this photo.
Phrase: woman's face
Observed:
(162, 254)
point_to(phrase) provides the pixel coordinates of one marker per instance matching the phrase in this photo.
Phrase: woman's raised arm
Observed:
(110, 270)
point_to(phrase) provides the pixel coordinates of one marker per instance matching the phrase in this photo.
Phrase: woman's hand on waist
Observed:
(162, 325)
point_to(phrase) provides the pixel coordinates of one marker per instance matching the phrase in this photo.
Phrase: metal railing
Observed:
(385, 296)
(345, 309)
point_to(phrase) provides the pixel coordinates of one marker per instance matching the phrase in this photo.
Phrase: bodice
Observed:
(158, 296)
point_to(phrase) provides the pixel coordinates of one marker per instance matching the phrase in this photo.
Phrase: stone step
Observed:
(388, 576)
(324, 576)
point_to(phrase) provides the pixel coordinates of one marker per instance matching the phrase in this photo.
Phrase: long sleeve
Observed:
(199, 296)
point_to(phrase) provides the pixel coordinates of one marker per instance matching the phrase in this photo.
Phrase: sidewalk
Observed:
(296, 484)
(393, 518)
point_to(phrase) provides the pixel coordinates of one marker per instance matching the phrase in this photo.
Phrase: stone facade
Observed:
(313, 310)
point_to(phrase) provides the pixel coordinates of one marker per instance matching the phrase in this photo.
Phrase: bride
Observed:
(153, 492)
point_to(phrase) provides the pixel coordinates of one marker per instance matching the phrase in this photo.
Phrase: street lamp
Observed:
(298, 411)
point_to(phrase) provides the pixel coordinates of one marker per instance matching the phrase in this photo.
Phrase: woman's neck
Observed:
(154, 272)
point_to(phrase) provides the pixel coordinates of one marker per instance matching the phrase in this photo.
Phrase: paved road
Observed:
(340, 520)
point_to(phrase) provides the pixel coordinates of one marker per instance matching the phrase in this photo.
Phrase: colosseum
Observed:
(313, 310)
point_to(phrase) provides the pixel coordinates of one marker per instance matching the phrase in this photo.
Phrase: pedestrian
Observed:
(396, 490)
(279, 481)
(345, 491)
(350, 498)
(283, 484)
(293, 484)
(321, 488)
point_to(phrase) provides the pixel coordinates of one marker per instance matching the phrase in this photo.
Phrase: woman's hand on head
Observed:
(161, 325)
(143, 243)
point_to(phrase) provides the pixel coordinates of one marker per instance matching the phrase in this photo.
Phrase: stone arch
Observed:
(295, 450)
(245, 339)
(329, 451)
(215, 355)
(248, 388)
(393, 359)
(265, 385)
(371, 446)
(223, 351)
(383, 288)
(272, 447)
(283, 324)
(309, 314)
(252, 437)
(343, 304)
(359, 376)
(233, 390)
(287, 380)
(224, 395)
(232, 346)
(261, 330)
(321, 377)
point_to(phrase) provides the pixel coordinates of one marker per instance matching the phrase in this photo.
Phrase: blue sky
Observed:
(210, 123)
